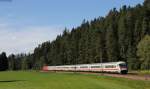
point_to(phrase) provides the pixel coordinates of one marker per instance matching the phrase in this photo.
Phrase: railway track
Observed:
(133, 76)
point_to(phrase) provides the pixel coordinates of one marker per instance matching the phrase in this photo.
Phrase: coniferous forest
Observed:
(122, 35)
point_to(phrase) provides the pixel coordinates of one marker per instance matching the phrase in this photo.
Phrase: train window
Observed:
(95, 66)
(110, 66)
(83, 66)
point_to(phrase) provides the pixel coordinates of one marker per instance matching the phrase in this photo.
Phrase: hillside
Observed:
(104, 39)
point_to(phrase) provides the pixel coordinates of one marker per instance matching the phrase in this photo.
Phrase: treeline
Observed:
(117, 37)
(15, 62)
(107, 39)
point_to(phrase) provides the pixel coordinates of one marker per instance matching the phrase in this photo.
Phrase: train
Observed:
(109, 67)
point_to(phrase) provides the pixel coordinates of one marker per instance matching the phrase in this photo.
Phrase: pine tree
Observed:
(122, 34)
(3, 62)
(144, 52)
(112, 36)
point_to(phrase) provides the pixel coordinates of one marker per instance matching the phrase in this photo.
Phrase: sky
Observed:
(24, 24)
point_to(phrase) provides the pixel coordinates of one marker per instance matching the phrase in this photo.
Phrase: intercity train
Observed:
(110, 67)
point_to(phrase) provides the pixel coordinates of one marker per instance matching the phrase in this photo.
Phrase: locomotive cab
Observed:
(123, 68)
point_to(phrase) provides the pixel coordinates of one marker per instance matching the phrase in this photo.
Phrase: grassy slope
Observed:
(37, 80)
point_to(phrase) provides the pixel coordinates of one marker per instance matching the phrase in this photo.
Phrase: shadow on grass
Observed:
(7, 81)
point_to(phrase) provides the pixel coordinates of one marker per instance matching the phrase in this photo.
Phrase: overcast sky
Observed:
(26, 23)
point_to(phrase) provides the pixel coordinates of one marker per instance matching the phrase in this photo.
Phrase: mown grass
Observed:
(39, 80)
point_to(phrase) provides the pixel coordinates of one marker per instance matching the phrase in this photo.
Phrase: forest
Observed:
(122, 35)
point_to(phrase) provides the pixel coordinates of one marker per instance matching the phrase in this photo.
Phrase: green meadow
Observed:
(39, 80)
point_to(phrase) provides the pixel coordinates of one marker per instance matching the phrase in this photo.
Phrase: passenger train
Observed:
(111, 67)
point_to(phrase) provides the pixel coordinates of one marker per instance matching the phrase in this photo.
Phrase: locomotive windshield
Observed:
(123, 65)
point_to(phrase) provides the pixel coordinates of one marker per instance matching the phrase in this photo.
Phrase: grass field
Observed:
(38, 80)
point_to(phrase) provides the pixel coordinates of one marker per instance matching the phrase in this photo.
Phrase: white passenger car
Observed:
(113, 67)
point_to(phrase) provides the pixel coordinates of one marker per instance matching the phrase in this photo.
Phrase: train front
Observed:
(123, 68)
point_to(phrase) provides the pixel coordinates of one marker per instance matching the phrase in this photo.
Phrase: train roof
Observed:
(104, 63)
(94, 64)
